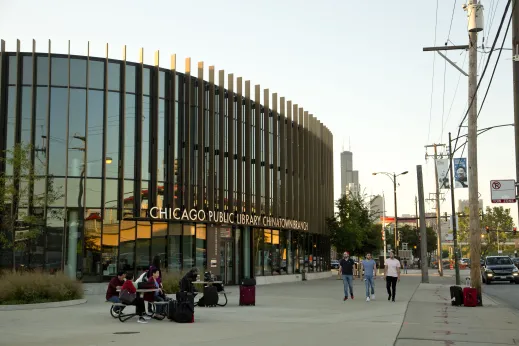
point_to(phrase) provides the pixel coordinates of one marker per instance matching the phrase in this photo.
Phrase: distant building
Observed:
(349, 177)
(377, 207)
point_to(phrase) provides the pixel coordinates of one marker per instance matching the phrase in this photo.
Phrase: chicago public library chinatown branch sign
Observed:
(226, 218)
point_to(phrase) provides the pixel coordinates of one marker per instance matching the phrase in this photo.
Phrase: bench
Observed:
(154, 309)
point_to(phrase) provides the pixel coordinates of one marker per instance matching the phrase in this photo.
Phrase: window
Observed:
(26, 114)
(174, 240)
(59, 72)
(58, 123)
(187, 247)
(76, 140)
(112, 134)
(27, 70)
(77, 73)
(201, 248)
(96, 73)
(95, 160)
(258, 251)
(114, 76)
(42, 70)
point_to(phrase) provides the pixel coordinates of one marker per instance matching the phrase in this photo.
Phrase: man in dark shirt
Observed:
(346, 268)
(115, 284)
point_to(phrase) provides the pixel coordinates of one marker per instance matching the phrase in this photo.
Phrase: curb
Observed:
(42, 305)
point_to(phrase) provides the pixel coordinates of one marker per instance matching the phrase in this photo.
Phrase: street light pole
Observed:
(396, 216)
(393, 177)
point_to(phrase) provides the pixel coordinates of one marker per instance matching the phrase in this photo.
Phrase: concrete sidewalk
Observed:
(432, 320)
(303, 313)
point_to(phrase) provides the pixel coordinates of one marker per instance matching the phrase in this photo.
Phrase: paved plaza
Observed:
(302, 313)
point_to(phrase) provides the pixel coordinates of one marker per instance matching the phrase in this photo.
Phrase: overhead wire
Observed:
(484, 70)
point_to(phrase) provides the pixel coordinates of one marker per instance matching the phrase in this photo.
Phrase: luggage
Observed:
(470, 296)
(182, 310)
(248, 282)
(456, 295)
(247, 295)
(210, 297)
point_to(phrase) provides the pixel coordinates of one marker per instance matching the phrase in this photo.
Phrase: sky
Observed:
(358, 66)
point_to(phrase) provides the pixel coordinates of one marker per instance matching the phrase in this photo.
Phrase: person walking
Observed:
(391, 275)
(347, 264)
(405, 266)
(370, 272)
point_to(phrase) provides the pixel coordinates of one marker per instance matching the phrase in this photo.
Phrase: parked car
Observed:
(516, 261)
(334, 264)
(499, 268)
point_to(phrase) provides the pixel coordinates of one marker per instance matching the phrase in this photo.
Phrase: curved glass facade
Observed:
(120, 139)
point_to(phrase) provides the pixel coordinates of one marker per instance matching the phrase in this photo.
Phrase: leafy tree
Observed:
(352, 226)
(21, 207)
(497, 219)
(411, 236)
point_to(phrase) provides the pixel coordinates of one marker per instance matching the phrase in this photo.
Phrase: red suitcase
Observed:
(470, 296)
(247, 295)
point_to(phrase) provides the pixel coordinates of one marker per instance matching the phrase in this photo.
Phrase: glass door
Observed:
(226, 261)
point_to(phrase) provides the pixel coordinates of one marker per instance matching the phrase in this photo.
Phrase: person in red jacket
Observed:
(138, 302)
(157, 296)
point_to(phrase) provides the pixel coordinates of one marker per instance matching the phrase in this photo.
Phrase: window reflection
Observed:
(188, 239)
(78, 73)
(59, 70)
(130, 78)
(58, 123)
(96, 74)
(127, 246)
(174, 239)
(95, 160)
(42, 70)
(114, 76)
(26, 115)
(201, 248)
(13, 70)
(27, 70)
(258, 251)
(145, 138)
(112, 134)
(110, 240)
(77, 144)
(129, 137)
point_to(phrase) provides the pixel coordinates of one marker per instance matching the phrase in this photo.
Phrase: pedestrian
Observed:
(370, 272)
(391, 275)
(347, 264)
(405, 266)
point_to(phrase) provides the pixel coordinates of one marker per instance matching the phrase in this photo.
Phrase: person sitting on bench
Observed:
(111, 292)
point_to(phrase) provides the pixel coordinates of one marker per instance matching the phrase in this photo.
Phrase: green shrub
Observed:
(30, 288)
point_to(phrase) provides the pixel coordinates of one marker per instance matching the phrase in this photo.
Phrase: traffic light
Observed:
(487, 229)
(515, 230)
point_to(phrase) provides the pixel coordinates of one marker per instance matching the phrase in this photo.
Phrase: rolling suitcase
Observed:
(210, 297)
(470, 296)
(456, 295)
(247, 295)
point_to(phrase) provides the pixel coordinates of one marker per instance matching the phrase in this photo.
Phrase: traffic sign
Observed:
(502, 191)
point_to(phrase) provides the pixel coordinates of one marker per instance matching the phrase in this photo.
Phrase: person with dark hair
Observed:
(186, 283)
(156, 263)
(138, 301)
(115, 284)
(157, 296)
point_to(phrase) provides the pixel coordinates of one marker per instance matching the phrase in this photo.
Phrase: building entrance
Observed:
(227, 259)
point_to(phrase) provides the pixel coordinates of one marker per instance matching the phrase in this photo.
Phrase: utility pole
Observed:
(423, 231)
(453, 215)
(416, 210)
(437, 199)
(475, 24)
(515, 72)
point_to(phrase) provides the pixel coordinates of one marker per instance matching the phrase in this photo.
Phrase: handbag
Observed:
(126, 297)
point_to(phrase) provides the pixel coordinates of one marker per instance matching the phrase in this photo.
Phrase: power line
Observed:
(484, 70)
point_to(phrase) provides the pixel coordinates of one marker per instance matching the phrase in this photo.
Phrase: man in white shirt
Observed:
(391, 275)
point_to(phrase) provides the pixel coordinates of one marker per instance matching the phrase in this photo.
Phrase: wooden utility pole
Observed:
(515, 72)
(475, 16)
(423, 231)
(437, 200)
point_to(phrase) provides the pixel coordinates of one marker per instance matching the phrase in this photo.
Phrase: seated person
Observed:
(157, 296)
(138, 302)
(186, 284)
(115, 284)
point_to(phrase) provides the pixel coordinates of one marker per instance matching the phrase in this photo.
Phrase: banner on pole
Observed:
(442, 166)
(460, 173)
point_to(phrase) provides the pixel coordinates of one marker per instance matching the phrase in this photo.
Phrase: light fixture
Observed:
(108, 160)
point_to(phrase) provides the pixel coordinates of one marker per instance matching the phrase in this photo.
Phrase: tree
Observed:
(500, 224)
(351, 228)
(411, 236)
(21, 208)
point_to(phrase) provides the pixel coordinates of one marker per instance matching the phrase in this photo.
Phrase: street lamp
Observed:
(393, 177)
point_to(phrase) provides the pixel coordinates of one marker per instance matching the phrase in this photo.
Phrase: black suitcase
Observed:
(248, 282)
(456, 295)
(181, 311)
(210, 297)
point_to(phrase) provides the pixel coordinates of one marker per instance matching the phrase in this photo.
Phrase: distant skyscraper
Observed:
(349, 177)
(377, 207)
